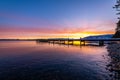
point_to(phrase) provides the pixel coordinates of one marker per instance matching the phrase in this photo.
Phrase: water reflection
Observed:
(26, 60)
(74, 43)
(114, 64)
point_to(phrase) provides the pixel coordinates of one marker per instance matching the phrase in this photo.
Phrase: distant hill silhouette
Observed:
(100, 36)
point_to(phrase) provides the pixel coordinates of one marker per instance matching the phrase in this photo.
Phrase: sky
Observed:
(29, 19)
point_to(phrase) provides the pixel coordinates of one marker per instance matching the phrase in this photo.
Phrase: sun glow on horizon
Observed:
(45, 36)
(56, 19)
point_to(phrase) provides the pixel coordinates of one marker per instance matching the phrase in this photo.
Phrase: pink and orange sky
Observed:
(56, 18)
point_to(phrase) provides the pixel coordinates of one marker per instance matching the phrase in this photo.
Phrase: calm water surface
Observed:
(29, 60)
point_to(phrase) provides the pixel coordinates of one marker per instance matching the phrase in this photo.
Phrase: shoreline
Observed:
(114, 54)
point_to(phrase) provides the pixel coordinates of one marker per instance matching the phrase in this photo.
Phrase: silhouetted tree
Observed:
(117, 7)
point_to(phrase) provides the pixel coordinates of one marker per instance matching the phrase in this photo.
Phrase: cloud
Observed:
(41, 27)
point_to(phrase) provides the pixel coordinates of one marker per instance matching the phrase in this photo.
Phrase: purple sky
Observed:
(56, 18)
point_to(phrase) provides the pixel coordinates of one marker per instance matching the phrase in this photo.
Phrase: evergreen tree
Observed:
(117, 7)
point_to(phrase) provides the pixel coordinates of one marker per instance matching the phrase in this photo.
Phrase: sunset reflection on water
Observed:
(43, 61)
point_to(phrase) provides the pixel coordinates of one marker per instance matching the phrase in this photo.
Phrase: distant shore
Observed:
(17, 39)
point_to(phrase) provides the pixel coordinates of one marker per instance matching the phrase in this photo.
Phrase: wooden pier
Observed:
(82, 40)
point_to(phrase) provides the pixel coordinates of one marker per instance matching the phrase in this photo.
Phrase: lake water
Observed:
(30, 60)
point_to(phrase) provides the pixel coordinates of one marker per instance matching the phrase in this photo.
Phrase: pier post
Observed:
(80, 41)
(53, 42)
(72, 41)
(101, 43)
(84, 43)
(64, 42)
(68, 41)
(49, 42)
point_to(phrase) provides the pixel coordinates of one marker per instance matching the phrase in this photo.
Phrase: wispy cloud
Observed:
(45, 28)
